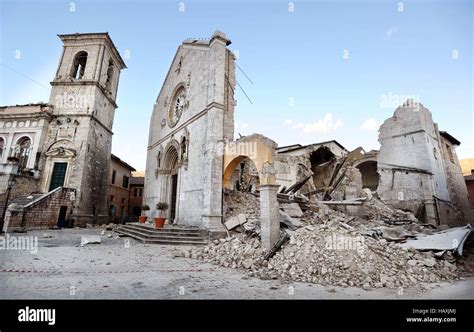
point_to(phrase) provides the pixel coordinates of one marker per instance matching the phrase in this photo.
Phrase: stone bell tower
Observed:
(78, 144)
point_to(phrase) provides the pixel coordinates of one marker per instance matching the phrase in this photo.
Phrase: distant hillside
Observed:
(467, 165)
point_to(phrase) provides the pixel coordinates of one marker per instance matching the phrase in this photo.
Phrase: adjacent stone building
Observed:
(119, 190)
(67, 142)
(135, 204)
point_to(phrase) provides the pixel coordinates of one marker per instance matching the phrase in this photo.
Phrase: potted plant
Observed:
(160, 221)
(143, 217)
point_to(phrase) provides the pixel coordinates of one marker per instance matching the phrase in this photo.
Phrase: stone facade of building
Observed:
(136, 194)
(469, 179)
(192, 117)
(23, 132)
(119, 188)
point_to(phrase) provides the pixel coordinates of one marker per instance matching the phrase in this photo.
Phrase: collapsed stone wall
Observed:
(290, 169)
(333, 248)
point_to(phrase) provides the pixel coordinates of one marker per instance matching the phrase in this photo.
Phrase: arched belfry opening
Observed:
(79, 65)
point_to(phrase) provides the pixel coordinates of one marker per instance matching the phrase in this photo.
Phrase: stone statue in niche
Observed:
(180, 63)
(158, 160)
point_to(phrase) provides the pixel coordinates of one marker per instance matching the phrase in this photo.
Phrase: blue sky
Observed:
(321, 70)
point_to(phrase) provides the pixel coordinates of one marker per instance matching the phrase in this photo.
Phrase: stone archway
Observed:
(170, 168)
(261, 151)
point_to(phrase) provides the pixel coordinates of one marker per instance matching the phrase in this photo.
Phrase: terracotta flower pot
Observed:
(159, 222)
(142, 219)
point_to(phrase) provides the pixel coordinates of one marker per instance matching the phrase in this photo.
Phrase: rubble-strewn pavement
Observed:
(62, 269)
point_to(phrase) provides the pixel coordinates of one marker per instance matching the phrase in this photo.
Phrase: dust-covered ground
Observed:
(121, 268)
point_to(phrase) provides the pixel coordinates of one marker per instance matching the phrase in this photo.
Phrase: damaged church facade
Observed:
(58, 153)
(192, 117)
(190, 164)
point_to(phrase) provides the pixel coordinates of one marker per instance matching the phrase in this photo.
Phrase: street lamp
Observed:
(11, 183)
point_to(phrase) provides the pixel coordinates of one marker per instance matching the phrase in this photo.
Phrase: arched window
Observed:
(23, 151)
(79, 65)
(2, 147)
(110, 76)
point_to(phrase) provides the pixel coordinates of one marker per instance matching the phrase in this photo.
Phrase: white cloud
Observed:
(325, 125)
(287, 123)
(370, 124)
(241, 125)
(392, 30)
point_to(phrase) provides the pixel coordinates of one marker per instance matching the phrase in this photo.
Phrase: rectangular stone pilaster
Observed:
(212, 171)
(269, 215)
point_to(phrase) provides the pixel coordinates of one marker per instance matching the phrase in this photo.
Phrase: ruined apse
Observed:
(418, 167)
(192, 117)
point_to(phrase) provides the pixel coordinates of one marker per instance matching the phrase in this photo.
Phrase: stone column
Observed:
(269, 215)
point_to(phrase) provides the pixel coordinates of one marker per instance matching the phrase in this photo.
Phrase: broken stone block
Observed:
(293, 210)
(412, 262)
(368, 192)
(90, 239)
(247, 263)
(429, 262)
(235, 221)
(292, 223)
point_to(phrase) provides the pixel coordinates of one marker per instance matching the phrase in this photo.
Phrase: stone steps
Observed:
(166, 230)
(169, 235)
(166, 235)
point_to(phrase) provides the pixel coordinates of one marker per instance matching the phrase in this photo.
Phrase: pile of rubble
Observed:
(327, 256)
(332, 248)
(242, 206)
